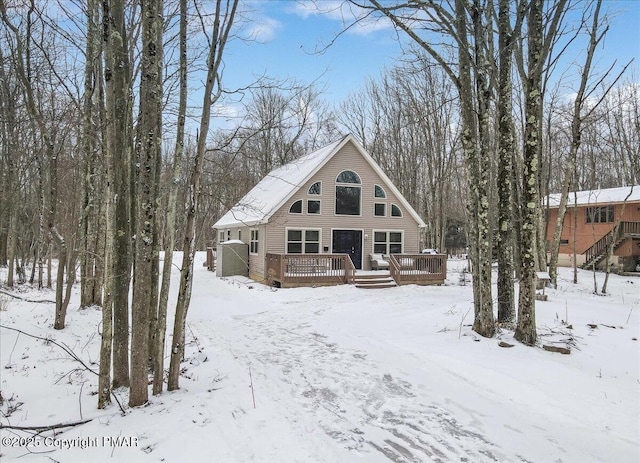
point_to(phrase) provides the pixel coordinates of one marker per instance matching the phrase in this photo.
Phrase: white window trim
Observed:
(314, 213)
(315, 194)
(385, 208)
(303, 230)
(388, 232)
(345, 183)
(383, 191)
(354, 185)
(252, 240)
(391, 212)
(301, 206)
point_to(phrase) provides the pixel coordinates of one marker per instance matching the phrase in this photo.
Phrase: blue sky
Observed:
(289, 36)
(290, 31)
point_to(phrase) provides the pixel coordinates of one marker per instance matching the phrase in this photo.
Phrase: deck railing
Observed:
(309, 269)
(420, 269)
(596, 252)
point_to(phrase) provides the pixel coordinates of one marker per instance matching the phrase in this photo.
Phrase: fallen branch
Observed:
(64, 347)
(42, 301)
(45, 428)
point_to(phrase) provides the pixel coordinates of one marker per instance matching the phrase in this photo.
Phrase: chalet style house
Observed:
(322, 217)
(595, 214)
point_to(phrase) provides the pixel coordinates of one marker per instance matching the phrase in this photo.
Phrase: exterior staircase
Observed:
(374, 281)
(597, 253)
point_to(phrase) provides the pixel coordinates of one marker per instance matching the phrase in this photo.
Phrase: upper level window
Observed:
(600, 214)
(395, 211)
(348, 176)
(313, 206)
(315, 189)
(296, 208)
(379, 192)
(348, 196)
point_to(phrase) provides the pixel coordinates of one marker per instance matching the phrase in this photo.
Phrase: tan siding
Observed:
(348, 158)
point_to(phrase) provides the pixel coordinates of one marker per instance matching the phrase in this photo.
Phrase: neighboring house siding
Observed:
(348, 158)
(588, 233)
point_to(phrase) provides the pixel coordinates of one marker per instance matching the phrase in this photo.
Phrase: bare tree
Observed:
(404, 120)
(596, 35)
(223, 19)
(22, 60)
(118, 128)
(170, 228)
(465, 24)
(539, 46)
(506, 147)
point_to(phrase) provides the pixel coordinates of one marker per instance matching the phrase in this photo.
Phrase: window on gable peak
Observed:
(348, 196)
(315, 189)
(348, 176)
(379, 192)
(296, 208)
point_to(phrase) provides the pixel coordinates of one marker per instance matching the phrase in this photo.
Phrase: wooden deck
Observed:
(418, 269)
(292, 270)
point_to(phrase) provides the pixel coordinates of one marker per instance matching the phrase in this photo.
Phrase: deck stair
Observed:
(374, 281)
(597, 253)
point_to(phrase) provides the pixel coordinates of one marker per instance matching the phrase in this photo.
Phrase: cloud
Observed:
(264, 29)
(348, 15)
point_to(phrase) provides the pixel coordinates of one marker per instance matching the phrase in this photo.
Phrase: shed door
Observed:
(349, 242)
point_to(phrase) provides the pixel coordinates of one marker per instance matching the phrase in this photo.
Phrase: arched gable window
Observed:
(315, 189)
(296, 208)
(348, 193)
(379, 192)
(348, 176)
(395, 211)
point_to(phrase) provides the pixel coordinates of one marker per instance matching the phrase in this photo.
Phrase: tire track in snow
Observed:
(365, 410)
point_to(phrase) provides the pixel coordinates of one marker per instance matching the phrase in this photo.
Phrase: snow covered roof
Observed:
(603, 196)
(279, 185)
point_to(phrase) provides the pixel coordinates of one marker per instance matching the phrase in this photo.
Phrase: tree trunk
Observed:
(526, 328)
(506, 293)
(119, 131)
(176, 170)
(146, 204)
(576, 139)
(223, 22)
(614, 235)
(11, 248)
(477, 155)
(106, 345)
(575, 236)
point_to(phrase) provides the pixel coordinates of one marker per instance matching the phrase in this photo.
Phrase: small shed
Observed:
(233, 259)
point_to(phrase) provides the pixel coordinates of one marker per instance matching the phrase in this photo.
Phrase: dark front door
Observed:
(349, 242)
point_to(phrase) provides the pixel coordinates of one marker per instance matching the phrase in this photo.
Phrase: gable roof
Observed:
(603, 196)
(279, 185)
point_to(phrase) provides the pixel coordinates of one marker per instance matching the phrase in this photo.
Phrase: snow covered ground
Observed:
(340, 374)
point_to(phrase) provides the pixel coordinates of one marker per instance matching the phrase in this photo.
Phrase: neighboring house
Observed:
(597, 213)
(319, 218)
